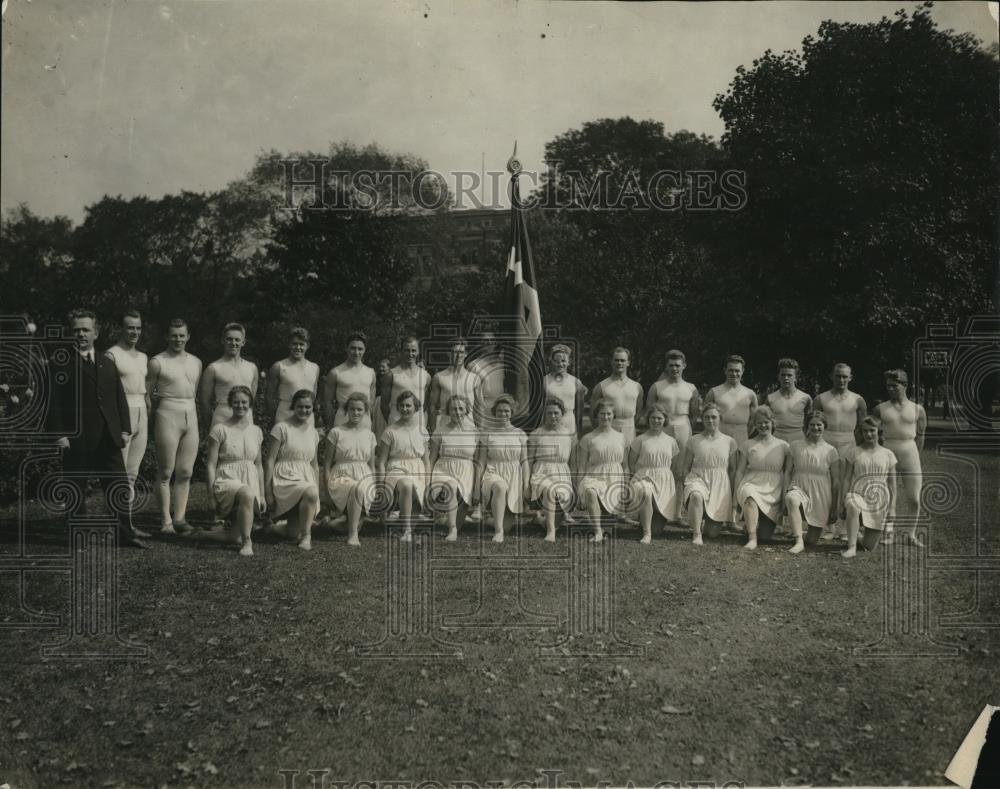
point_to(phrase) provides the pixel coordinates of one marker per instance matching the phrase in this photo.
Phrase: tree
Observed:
(872, 173)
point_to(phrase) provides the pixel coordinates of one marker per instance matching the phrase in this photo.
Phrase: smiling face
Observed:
(895, 390)
(406, 408)
(303, 408)
(85, 332)
(297, 349)
(355, 351)
(553, 416)
(177, 338)
(815, 428)
(656, 421)
(503, 412)
(457, 410)
(559, 362)
(384, 367)
(355, 412)
(764, 425)
(240, 403)
(410, 352)
(605, 416)
(233, 342)
(734, 373)
(131, 330)
(710, 419)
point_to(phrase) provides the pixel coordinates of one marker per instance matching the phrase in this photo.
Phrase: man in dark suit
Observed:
(88, 398)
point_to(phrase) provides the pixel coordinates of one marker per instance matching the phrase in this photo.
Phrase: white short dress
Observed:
(504, 449)
(604, 475)
(653, 474)
(811, 489)
(293, 473)
(352, 471)
(870, 490)
(762, 477)
(239, 451)
(407, 448)
(455, 464)
(551, 480)
(709, 474)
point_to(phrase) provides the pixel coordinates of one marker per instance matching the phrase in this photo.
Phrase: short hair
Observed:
(385, 360)
(233, 326)
(358, 336)
(621, 349)
(406, 394)
(460, 340)
(130, 314)
(408, 339)
(298, 333)
(872, 421)
(897, 376)
(557, 402)
(788, 364)
(503, 399)
(302, 394)
(77, 314)
(238, 390)
(735, 358)
(675, 354)
(808, 417)
(356, 397)
(604, 402)
(710, 406)
(658, 408)
(458, 398)
(766, 412)
(177, 323)
(559, 348)
(840, 365)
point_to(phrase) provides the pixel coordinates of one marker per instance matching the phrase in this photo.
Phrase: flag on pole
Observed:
(524, 355)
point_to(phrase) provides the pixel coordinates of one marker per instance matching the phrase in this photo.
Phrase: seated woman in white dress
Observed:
(503, 456)
(870, 489)
(815, 483)
(709, 463)
(402, 463)
(233, 467)
(291, 472)
(349, 467)
(551, 453)
(651, 458)
(454, 474)
(601, 464)
(762, 474)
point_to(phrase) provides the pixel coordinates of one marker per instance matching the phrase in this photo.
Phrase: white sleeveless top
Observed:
(228, 375)
(178, 380)
(415, 380)
(132, 371)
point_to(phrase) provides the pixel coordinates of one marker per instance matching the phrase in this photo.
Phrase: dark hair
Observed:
(458, 398)
(660, 409)
(675, 354)
(788, 364)
(604, 402)
(78, 313)
(557, 402)
(236, 390)
(406, 394)
(356, 397)
(407, 339)
(357, 335)
(130, 314)
(234, 327)
(299, 333)
(302, 394)
(622, 349)
(808, 417)
(177, 323)
(897, 376)
(503, 399)
(734, 358)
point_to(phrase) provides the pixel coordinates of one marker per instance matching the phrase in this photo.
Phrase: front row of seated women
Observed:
(459, 467)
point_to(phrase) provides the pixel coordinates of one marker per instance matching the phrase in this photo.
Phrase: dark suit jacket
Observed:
(89, 403)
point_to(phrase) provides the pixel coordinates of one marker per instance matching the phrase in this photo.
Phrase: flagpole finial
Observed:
(513, 163)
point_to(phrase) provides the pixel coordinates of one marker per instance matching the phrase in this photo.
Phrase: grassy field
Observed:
(747, 671)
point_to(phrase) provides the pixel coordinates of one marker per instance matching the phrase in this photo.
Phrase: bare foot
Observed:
(646, 539)
(353, 541)
(751, 545)
(306, 543)
(697, 540)
(915, 540)
(452, 535)
(247, 549)
(550, 535)
(598, 535)
(407, 536)
(798, 547)
(850, 553)
(498, 537)
(167, 528)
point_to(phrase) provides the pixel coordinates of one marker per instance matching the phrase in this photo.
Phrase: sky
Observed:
(149, 98)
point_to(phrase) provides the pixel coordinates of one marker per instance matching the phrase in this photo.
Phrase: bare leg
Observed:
(404, 492)
(498, 505)
(593, 503)
(244, 519)
(795, 518)
(696, 511)
(646, 514)
(853, 524)
(451, 516)
(750, 516)
(308, 507)
(353, 518)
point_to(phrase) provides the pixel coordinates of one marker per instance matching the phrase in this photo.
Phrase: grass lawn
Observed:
(746, 673)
